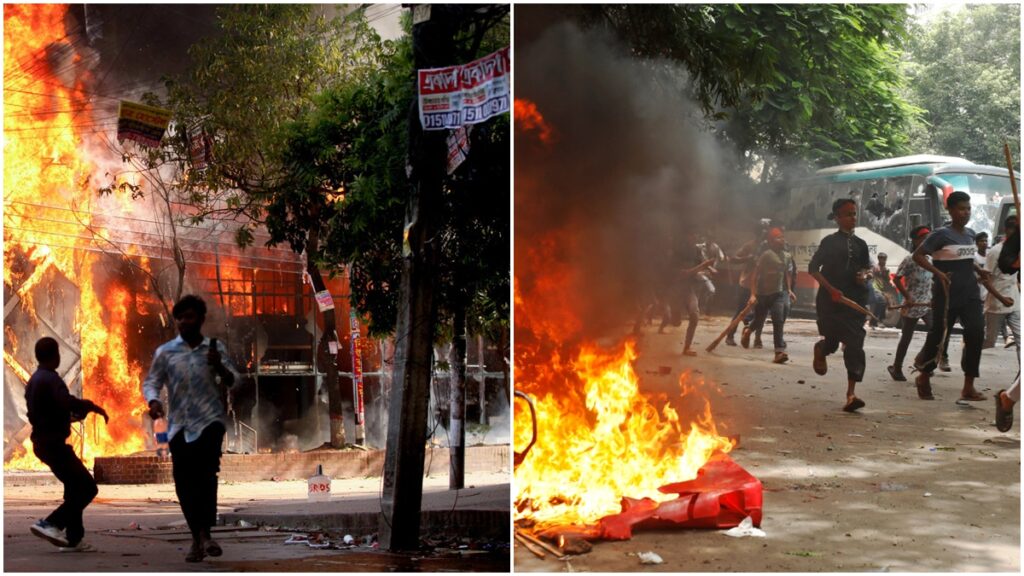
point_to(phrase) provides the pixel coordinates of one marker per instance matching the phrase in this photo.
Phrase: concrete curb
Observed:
(483, 511)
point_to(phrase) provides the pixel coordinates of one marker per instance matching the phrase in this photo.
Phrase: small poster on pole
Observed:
(458, 148)
(324, 301)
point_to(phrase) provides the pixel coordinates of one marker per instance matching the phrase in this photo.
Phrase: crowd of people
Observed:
(951, 277)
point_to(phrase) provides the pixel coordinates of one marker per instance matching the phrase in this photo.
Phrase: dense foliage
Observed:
(963, 69)
(808, 84)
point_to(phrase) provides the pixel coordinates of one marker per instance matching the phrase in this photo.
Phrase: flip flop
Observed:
(853, 405)
(924, 386)
(976, 397)
(1004, 417)
(820, 364)
(689, 352)
(895, 374)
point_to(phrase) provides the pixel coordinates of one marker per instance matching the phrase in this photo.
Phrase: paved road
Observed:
(905, 485)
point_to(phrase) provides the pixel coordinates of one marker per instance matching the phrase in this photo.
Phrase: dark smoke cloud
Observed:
(630, 172)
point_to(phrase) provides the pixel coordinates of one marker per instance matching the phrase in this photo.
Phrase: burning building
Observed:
(94, 255)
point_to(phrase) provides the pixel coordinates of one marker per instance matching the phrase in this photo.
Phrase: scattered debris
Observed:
(244, 524)
(803, 553)
(569, 544)
(348, 540)
(745, 528)
(649, 558)
(892, 487)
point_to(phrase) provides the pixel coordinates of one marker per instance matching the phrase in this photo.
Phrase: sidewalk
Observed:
(482, 511)
(139, 528)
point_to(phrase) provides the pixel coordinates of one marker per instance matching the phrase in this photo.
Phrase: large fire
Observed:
(50, 219)
(600, 438)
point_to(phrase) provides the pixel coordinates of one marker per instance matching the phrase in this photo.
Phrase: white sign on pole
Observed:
(470, 93)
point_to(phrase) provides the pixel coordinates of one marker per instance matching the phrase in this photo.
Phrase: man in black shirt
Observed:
(840, 266)
(51, 409)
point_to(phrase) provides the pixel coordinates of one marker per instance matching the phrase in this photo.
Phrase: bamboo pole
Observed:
(554, 550)
(732, 326)
(1013, 178)
(526, 543)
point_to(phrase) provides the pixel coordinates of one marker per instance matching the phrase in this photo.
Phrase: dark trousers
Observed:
(837, 325)
(909, 324)
(973, 322)
(195, 466)
(774, 304)
(79, 488)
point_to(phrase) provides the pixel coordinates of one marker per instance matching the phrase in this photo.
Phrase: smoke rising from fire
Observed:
(625, 176)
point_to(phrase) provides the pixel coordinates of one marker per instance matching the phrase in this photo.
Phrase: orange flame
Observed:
(529, 119)
(599, 437)
(49, 220)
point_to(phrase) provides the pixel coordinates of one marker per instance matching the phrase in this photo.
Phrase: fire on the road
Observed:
(599, 437)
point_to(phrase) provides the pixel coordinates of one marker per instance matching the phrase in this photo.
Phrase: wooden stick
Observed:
(914, 305)
(851, 304)
(530, 537)
(945, 322)
(1013, 179)
(732, 326)
(526, 543)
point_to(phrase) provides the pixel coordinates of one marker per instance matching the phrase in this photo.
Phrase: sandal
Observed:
(975, 397)
(1004, 417)
(896, 374)
(820, 364)
(924, 386)
(853, 405)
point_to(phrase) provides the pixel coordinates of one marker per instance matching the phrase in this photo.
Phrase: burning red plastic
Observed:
(721, 496)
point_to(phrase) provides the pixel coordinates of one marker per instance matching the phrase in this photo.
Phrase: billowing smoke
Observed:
(628, 173)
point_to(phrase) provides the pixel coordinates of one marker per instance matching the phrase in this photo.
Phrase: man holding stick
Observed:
(915, 284)
(840, 265)
(955, 296)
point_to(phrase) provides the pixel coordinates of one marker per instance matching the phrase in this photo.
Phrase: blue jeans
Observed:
(774, 304)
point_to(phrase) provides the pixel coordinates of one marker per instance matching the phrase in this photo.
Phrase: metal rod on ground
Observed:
(553, 549)
(732, 326)
(526, 543)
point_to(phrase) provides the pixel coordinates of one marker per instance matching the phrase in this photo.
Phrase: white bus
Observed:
(893, 196)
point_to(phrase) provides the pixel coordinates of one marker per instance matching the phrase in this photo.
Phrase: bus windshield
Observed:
(987, 193)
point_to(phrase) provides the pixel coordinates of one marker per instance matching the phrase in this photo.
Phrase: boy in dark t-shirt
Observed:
(952, 265)
(51, 409)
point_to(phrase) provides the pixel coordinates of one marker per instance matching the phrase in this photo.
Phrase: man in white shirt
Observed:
(997, 313)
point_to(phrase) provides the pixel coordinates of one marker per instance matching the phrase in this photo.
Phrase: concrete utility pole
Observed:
(457, 414)
(433, 47)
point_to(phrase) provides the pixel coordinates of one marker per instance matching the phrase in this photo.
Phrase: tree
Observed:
(246, 85)
(356, 140)
(963, 69)
(817, 82)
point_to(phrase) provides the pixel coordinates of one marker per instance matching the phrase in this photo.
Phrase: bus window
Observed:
(987, 193)
(839, 190)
